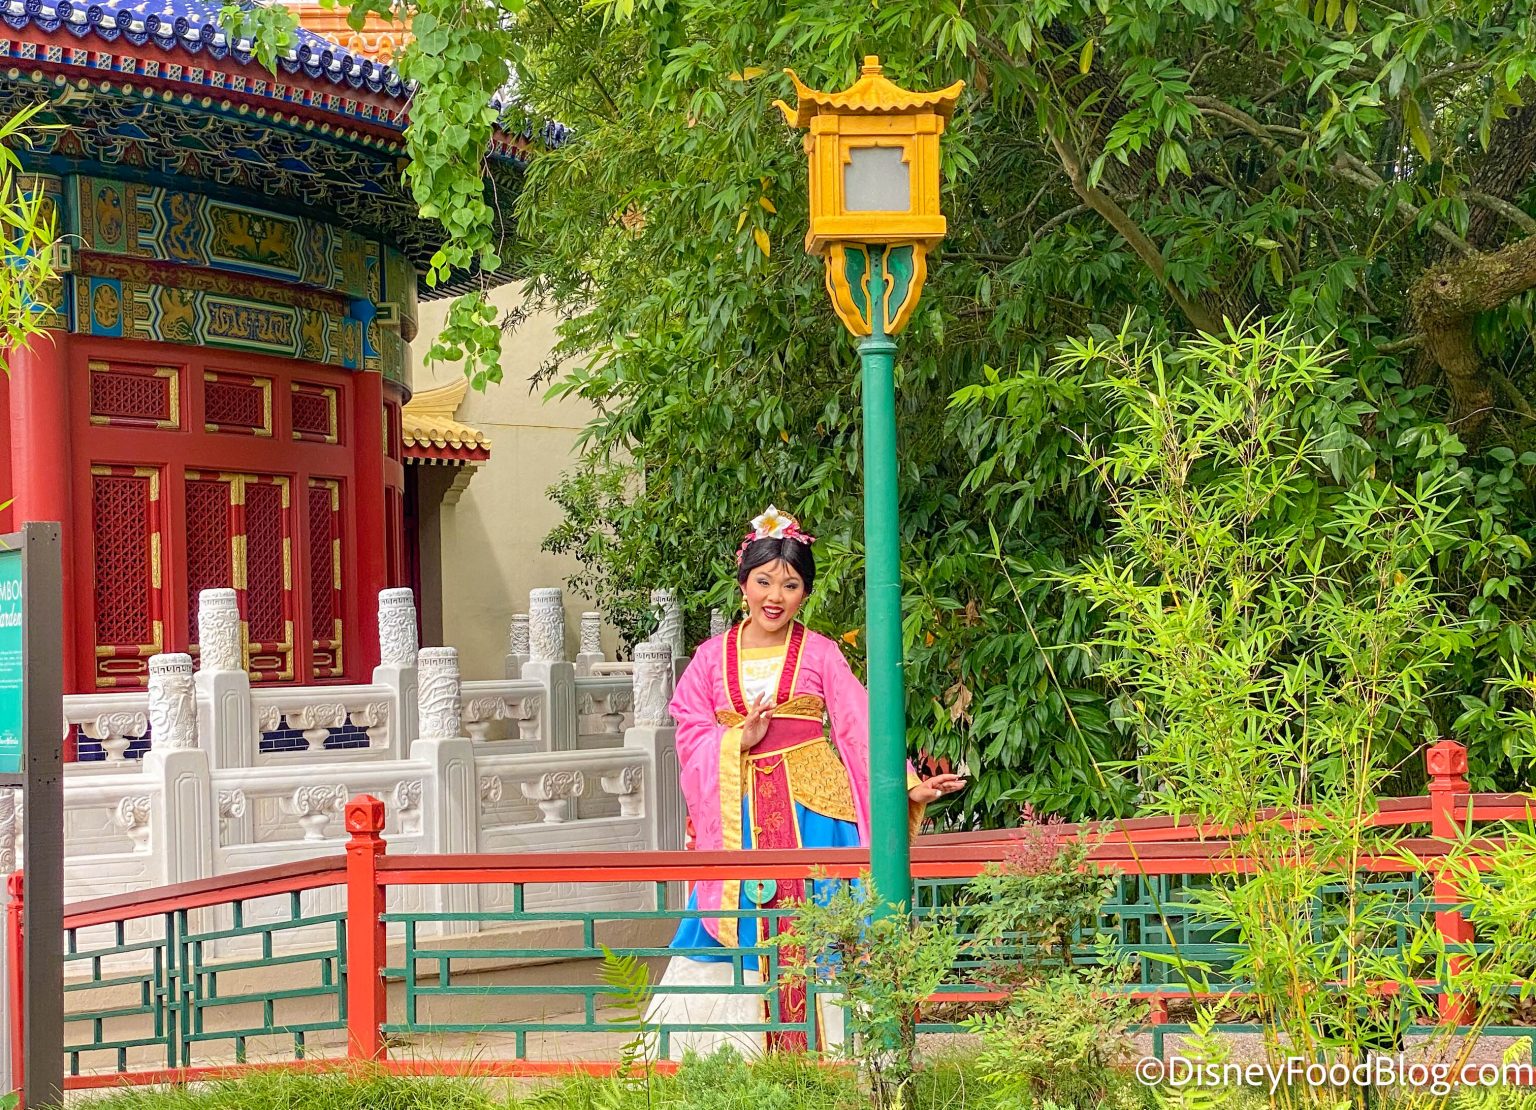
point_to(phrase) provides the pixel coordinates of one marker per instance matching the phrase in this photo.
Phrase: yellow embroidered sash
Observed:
(817, 778)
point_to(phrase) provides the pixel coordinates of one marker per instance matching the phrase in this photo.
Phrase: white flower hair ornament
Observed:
(773, 524)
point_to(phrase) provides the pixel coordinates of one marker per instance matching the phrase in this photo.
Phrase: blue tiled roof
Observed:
(193, 26)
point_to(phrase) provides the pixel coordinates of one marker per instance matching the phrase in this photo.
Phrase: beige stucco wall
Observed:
(491, 539)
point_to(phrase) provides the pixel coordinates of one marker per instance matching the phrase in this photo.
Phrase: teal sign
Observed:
(12, 671)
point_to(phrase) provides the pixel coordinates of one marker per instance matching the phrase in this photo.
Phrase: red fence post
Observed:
(1447, 766)
(365, 929)
(16, 962)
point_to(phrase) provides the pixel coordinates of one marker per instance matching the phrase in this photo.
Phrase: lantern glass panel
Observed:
(877, 179)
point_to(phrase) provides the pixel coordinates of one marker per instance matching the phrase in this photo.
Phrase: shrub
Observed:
(1061, 1038)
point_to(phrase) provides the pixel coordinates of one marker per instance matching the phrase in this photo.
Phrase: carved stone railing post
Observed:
(591, 643)
(438, 693)
(517, 645)
(172, 703)
(397, 667)
(177, 819)
(546, 625)
(661, 794)
(653, 684)
(669, 622)
(717, 623)
(447, 806)
(225, 717)
(548, 666)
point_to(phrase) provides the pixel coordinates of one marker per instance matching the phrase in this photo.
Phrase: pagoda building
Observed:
(218, 398)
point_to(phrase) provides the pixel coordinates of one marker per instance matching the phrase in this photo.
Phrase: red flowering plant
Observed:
(1031, 908)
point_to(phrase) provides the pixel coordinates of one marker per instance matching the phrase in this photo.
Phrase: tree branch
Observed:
(1518, 399)
(1197, 313)
(1479, 283)
(1407, 343)
(1517, 216)
(1346, 168)
(1446, 301)
(1008, 259)
(1349, 168)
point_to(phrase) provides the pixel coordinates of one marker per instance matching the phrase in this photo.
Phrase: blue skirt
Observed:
(817, 830)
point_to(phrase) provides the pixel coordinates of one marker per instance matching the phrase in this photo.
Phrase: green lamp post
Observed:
(874, 184)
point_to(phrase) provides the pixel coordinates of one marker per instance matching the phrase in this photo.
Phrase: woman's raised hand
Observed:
(932, 789)
(755, 727)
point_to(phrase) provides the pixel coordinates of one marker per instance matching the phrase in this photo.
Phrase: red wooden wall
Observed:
(196, 468)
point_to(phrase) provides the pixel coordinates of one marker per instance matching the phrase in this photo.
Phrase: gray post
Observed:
(184, 824)
(654, 732)
(32, 702)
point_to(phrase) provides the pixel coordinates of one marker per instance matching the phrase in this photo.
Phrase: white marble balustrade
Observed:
(505, 712)
(550, 761)
(605, 708)
(113, 720)
(317, 714)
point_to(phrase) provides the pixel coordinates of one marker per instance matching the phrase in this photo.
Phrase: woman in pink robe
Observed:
(773, 744)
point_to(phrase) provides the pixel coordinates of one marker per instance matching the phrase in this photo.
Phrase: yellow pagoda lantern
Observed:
(874, 190)
(874, 183)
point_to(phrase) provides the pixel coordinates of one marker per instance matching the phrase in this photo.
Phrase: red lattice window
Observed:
(314, 412)
(268, 563)
(325, 575)
(209, 540)
(237, 403)
(125, 532)
(134, 395)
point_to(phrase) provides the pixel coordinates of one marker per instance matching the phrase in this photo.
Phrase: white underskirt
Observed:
(726, 1009)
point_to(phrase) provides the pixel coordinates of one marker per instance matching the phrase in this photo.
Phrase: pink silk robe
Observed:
(716, 813)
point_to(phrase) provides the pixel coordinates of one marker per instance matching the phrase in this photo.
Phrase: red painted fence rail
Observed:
(1142, 846)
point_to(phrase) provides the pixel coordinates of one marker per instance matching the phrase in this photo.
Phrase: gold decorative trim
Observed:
(730, 826)
(171, 374)
(255, 381)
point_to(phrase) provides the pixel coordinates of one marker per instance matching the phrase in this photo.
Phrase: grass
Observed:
(718, 1083)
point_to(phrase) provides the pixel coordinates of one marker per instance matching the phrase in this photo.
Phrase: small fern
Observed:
(1205, 1047)
(1499, 1098)
(628, 980)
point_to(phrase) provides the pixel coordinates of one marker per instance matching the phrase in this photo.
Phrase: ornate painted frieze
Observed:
(197, 144)
(170, 225)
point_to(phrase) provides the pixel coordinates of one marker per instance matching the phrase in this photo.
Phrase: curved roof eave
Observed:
(174, 53)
